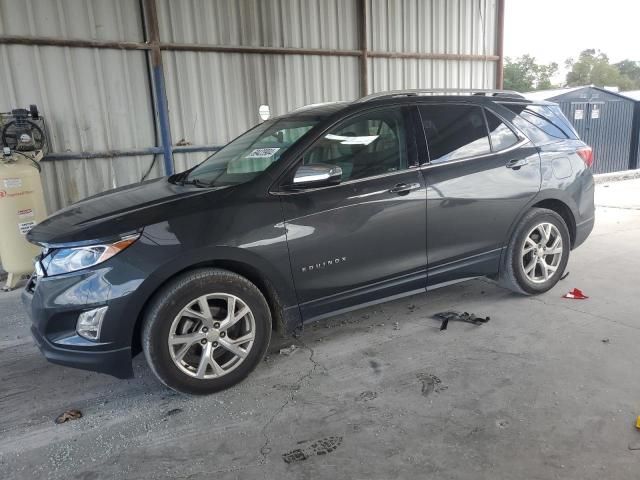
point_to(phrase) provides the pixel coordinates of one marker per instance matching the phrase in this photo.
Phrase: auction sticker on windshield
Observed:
(262, 153)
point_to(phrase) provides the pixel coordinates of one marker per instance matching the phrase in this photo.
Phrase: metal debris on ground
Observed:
(396, 326)
(68, 415)
(566, 274)
(288, 350)
(173, 411)
(605, 340)
(575, 294)
(467, 317)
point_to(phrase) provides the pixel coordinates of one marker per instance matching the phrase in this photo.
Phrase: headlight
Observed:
(65, 260)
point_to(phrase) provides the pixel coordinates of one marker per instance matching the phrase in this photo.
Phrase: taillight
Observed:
(586, 154)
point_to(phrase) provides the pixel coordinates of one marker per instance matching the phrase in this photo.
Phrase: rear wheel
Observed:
(206, 331)
(537, 254)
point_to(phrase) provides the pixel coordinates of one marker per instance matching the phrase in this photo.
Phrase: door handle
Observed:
(404, 188)
(516, 164)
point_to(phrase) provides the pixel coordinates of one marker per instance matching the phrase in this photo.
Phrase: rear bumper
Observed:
(583, 230)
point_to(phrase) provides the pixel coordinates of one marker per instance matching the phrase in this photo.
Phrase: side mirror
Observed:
(316, 175)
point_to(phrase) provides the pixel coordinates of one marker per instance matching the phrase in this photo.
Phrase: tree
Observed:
(545, 72)
(593, 68)
(523, 74)
(630, 70)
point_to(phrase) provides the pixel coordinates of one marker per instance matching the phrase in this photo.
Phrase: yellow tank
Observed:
(21, 207)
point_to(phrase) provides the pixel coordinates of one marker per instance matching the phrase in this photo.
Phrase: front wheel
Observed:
(537, 254)
(206, 331)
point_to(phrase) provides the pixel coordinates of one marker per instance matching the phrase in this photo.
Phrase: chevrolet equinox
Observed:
(326, 209)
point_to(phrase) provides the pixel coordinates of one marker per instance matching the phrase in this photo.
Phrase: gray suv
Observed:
(326, 209)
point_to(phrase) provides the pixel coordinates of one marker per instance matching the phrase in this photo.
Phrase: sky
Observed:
(554, 30)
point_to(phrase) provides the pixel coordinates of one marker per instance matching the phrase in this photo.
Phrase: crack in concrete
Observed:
(265, 450)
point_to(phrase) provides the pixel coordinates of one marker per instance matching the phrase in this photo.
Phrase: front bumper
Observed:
(54, 305)
(112, 362)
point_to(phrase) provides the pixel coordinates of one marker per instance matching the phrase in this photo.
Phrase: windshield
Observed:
(251, 153)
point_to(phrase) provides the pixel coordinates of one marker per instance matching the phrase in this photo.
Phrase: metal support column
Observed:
(160, 92)
(500, 46)
(364, 55)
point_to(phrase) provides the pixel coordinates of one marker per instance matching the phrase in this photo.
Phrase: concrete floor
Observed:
(537, 393)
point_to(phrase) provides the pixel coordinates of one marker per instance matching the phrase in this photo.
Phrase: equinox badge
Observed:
(324, 264)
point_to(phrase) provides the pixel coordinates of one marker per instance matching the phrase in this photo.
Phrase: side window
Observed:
(501, 136)
(371, 144)
(454, 132)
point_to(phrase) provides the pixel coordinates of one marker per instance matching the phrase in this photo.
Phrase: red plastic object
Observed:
(575, 294)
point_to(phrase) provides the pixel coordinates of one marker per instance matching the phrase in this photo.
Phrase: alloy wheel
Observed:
(542, 252)
(212, 335)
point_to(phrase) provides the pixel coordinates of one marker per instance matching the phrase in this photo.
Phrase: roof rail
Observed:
(312, 105)
(440, 91)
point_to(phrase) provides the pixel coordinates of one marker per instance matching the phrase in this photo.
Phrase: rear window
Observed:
(454, 132)
(548, 118)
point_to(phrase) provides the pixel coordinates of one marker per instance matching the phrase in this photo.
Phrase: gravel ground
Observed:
(547, 389)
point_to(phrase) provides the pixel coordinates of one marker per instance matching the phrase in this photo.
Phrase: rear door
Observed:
(480, 176)
(363, 240)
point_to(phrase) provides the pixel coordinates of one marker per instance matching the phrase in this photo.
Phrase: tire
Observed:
(513, 274)
(200, 339)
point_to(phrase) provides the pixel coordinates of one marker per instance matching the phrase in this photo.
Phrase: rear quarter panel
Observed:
(566, 177)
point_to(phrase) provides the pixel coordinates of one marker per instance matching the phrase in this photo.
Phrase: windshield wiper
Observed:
(196, 182)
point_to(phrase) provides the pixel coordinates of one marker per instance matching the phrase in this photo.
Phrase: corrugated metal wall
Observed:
(459, 27)
(100, 99)
(213, 97)
(608, 132)
(93, 100)
(259, 23)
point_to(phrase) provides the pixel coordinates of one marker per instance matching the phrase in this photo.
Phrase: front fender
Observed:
(146, 266)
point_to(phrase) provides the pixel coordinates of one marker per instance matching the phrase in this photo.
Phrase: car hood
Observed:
(120, 211)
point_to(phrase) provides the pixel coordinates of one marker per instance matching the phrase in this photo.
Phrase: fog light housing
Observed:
(90, 322)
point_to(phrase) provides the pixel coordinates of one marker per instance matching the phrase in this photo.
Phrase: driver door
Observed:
(363, 240)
